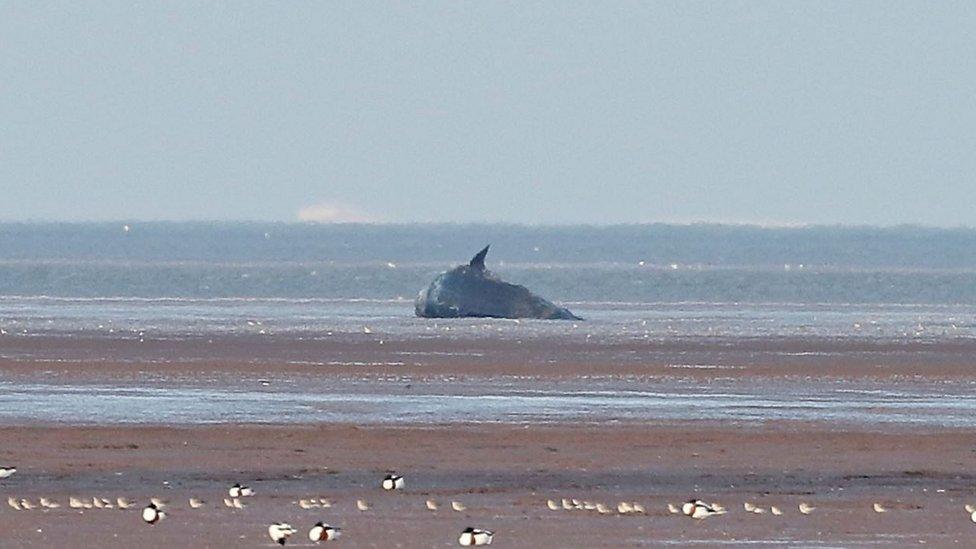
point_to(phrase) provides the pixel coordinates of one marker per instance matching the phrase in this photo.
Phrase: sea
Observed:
(137, 281)
(683, 280)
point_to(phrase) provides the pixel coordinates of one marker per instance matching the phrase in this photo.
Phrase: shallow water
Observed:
(519, 401)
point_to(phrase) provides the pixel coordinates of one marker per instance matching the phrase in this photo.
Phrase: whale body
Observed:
(473, 291)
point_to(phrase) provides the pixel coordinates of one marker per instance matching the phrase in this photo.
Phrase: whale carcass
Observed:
(473, 291)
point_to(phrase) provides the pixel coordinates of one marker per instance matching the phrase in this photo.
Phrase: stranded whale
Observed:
(471, 290)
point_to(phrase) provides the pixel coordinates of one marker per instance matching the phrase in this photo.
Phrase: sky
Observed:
(517, 112)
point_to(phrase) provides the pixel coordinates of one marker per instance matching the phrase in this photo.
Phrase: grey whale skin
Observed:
(472, 291)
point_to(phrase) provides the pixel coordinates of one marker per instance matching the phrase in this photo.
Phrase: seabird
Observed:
(970, 508)
(7, 471)
(567, 505)
(279, 532)
(431, 505)
(603, 509)
(27, 505)
(151, 514)
(15, 503)
(698, 509)
(749, 506)
(638, 508)
(775, 510)
(475, 536)
(458, 506)
(323, 532)
(972, 517)
(228, 502)
(123, 503)
(362, 505)
(48, 504)
(552, 505)
(159, 502)
(239, 491)
(307, 504)
(236, 503)
(673, 509)
(878, 508)
(196, 503)
(805, 508)
(75, 503)
(623, 508)
(325, 503)
(392, 481)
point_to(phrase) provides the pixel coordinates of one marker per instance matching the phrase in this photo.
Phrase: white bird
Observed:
(775, 510)
(673, 509)
(623, 508)
(749, 506)
(972, 517)
(97, 503)
(236, 503)
(362, 505)
(279, 532)
(970, 508)
(228, 502)
(307, 504)
(27, 505)
(196, 503)
(123, 503)
(392, 481)
(48, 504)
(603, 509)
(805, 508)
(878, 508)
(151, 514)
(158, 502)
(323, 532)
(638, 508)
(475, 536)
(239, 491)
(759, 511)
(698, 509)
(589, 505)
(458, 506)
(367, 330)
(431, 505)
(75, 503)
(325, 503)
(7, 471)
(567, 505)
(15, 503)
(552, 505)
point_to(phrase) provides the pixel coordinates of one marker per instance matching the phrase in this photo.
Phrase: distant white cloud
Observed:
(333, 213)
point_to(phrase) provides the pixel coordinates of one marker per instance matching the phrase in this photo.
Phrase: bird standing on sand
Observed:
(123, 503)
(475, 536)
(323, 532)
(7, 471)
(393, 481)
(552, 505)
(279, 532)
(431, 505)
(239, 491)
(673, 509)
(196, 503)
(362, 505)
(878, 508)
(14, 503)
(805, 508)
(458, 506)
(151, 514)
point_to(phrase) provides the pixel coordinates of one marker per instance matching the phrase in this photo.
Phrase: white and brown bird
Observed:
(392, 481)
(431, 505)
(878, 508)
(458, 506)
(240, 491)
(776, 511)
(196, 503)
(7, 471)
(123, 503)
(279, 532)
(552, 505)
(323, 532)
(47, 503)
(805, 508)
(673, 509)
(475, 536)
(75, 503)
(362, 505)
(151, 514)
(14, 503)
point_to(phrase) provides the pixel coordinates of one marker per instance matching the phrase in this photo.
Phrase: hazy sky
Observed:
(563, 112)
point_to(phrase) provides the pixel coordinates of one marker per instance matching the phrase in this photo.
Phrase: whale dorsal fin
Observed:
(478, 261)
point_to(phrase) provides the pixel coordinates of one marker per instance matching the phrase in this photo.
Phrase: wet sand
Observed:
(503, 471)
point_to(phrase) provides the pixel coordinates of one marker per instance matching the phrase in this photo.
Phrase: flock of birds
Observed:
(280, 532)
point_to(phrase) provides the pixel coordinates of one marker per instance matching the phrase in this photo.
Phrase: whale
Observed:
(473, 291)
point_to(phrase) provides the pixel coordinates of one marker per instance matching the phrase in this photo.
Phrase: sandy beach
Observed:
(503, 468)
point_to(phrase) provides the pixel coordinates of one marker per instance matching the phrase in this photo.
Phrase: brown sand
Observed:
(502, 473)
